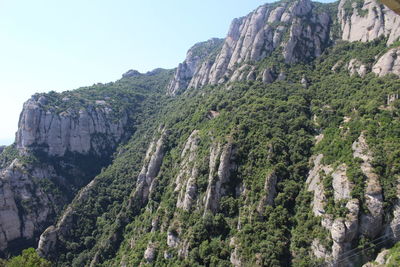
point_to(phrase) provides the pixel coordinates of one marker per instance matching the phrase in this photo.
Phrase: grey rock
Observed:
(368, 22)
(389, 63)
(70, 131)
(319, 251)
(150, 168)
(217, 180)
(194, 60)
(371, 223)
(393, 229)
(150, 253)
(49, 238)
(356, 67)
(35, 208)
(172, 240)
(304, 81)
(269, 192)
(255, 37)
(341, 184)
(281, 76)
(268, 76)
(314, 184)
(338, 231)
(188, 170)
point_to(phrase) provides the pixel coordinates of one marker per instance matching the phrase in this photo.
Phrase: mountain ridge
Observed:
(259, 149)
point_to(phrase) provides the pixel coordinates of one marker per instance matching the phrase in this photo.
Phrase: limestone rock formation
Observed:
(367, 20)
(219, 174)
(253, 38)
(343, 230)
(357, 67)
(150, 169)
(269, 192)
(371, 223)
(196, 55)
(25, 207)
(186, 178)
(42, 127)
(389, 63)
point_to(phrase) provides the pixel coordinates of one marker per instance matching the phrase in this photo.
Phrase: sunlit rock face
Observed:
(297, 28)
(81, 131)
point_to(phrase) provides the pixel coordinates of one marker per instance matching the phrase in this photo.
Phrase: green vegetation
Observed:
(271, 128)
(28, 258)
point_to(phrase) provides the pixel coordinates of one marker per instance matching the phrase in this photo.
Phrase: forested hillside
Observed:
(277, 146)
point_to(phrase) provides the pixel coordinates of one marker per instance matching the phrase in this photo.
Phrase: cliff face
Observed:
(295, 28)
(298, 31)
(81, 131)
(26, 205)
(63, 141)
(199, 54)
(266, 172)
(367, 20)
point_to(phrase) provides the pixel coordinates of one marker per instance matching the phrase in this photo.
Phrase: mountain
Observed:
(276, 146)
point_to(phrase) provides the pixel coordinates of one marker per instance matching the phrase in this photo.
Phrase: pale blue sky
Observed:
(61, 45)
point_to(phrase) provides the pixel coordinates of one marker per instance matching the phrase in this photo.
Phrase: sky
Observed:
(62, 45)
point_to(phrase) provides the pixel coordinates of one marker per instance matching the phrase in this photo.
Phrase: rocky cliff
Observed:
(290, 159)
(63, 141)
(367, 20)
(89, 129)
(297, 31)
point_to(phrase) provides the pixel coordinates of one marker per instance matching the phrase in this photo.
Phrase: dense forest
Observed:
(296, 164)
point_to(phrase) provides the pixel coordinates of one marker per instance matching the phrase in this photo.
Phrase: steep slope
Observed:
(277, 146)
(63, 141)
(289, 32)
(296, 30)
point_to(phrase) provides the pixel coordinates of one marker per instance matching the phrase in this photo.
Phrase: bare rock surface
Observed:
(221, 166)
(25, 207)
(367, 21)
(186, 179)
(71, 130)
(370, 223)
(255, 37)
(389, 63)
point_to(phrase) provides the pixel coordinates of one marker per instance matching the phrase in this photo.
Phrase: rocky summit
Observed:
(275, 146)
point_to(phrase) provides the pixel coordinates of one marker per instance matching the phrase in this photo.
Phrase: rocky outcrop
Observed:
(357, 67)
(235, 258)
(389, 63)
(196, 55)
(221, 167)
(343, 229)
(341, 185)
(269, 192)
(185, 182)
(370, 223)
(50, 238)
(296, 27)
(89, 129)
(381, 260)
(314, 184)
(150, 169)
(150, 253)
(25, 207)
(367, 20)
